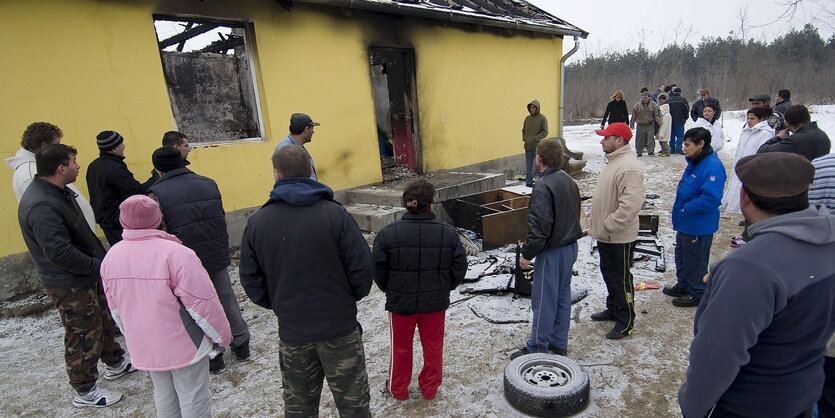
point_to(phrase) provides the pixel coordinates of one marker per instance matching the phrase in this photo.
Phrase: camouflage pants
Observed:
(341, 360)
(89, 333)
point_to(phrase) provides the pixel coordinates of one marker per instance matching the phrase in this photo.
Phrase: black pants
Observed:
(719, 412)
(826, 404)
(615, 261)
(113, 235)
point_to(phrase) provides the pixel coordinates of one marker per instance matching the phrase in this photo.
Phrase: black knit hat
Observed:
(166, 159)
(108, 140)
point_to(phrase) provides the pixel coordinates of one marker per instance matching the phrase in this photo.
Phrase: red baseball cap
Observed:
(617, 129)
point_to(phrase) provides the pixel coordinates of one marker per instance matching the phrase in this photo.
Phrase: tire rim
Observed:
(546, 375)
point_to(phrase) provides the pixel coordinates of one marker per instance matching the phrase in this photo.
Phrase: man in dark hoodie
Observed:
(534, 129)
(303, 256)
(110, 183)
(765, 318)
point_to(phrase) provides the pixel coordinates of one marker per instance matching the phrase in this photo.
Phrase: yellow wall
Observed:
(89, 66)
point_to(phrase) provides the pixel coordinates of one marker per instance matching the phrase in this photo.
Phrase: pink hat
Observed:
(140, 212)
(617, 129)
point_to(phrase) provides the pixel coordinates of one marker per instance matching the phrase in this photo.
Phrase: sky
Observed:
(621, 25)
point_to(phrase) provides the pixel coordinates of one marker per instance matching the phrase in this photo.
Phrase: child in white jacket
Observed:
(163, 300)
(664, 130)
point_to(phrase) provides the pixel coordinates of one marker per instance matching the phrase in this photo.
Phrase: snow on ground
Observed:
(635, 377)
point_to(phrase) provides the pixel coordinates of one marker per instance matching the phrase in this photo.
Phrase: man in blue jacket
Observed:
(769, 309)
(696, 216)
(303, 256)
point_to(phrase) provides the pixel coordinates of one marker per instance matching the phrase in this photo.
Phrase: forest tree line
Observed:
(731, 68)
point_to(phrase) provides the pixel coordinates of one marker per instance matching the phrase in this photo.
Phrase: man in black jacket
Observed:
(68, 255)
(303, 256)
(192, 210)
(679, 109)
(110, 183)
(806, 139)
(553, 231)
(704, 100)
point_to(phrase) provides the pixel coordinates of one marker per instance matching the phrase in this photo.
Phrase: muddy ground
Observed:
(635, 377)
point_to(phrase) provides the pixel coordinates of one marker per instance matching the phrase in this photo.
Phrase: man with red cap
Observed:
(614, 224)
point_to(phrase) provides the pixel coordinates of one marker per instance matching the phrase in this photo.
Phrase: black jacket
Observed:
(193, 211)
(679, 108)
(66, 252)
(809, 141)
(303, 256)
(110, 183)
(616, 111)
(553, 213)
(699, 107)
(417, 261)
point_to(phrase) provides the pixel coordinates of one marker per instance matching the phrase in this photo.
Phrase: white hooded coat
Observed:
(23, 164)
(749, 142)
(666, 127)
(717, 136)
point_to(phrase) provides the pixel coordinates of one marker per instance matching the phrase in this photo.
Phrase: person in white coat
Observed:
(755, 133)
(709, 122)
(37, 136)
(665, 129)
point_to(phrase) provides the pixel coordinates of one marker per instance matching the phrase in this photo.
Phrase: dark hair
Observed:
(297, 129)
(662, 96)
(710, 106)
(779, 205)
(667, 89)
(697, 136)
(292, 161)
(759, 112)
(51, 156)
(785, 94)
(643, 89)
(422, 193)
(171, 138)
(38, 134)
(550, 152)
(797, 115)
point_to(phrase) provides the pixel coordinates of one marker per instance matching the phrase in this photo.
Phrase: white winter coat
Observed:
(717, 136)
(23, 164)
(666, 127)
(749, 142)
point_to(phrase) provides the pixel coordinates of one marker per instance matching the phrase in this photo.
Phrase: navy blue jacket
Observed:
(417, 261)
(193, 211)
(303, 256)
(110, 183)
(679, 108)
(699, 194)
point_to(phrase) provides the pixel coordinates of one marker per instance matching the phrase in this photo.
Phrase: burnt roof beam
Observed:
(187, 34)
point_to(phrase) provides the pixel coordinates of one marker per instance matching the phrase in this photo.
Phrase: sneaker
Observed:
(216, 364)
(651, 154)
(662, 154)
(736, 243)
(519, 353)
(120, 369)
(242, 352)
(640, 155)
(674, 291)
(96, 397)
(558, 351)
(606, 315)
(614, 334)
(687, 301)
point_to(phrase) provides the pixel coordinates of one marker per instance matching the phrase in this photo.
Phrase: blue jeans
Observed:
(529, 167)
(676, 138)
(551, 298)
(692, 258)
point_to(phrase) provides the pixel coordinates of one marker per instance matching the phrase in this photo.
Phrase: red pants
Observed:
(431, 328)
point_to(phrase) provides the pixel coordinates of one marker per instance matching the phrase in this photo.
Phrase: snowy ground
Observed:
(635, 377)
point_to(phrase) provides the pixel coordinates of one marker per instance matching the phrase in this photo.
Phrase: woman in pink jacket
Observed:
(168, 310)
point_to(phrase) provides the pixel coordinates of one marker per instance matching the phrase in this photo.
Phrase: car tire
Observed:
(546, 385)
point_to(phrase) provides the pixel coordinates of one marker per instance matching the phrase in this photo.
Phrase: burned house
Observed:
(431, 84)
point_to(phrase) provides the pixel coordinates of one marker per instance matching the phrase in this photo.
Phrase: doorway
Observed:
(395, 106)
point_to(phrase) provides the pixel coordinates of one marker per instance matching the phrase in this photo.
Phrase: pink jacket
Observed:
(163, 301)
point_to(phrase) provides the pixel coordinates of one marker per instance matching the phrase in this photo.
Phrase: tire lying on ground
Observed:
(546, 385)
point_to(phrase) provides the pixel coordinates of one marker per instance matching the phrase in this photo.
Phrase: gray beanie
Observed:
(108, 140)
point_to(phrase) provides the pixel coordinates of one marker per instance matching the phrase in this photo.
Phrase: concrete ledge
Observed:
(373, 218)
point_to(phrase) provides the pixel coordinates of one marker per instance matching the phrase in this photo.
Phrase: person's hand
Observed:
(783, 134)
(706, 278)
(525, 264)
